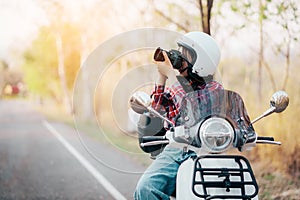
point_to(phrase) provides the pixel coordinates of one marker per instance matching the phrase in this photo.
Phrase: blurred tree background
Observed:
(260, 54)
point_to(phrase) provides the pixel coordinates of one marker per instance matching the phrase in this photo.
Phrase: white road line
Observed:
(98, 176)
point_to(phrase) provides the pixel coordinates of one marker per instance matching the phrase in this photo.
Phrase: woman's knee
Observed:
(143, 187)
(141, 190)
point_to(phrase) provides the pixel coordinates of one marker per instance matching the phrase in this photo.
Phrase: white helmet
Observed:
(204, 50)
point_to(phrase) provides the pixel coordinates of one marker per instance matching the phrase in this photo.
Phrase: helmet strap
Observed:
(183, 70)
(193, 81)
(186, 68)
(198, 81)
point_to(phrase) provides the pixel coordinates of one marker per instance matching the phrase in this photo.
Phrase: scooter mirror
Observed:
(140, 101)
(279, 101)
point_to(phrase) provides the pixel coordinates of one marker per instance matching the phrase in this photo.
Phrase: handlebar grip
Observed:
(153, 138)
(265, 138)
(153, 141)
(151, 144)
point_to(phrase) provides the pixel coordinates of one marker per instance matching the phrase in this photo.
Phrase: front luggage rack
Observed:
(223, 177)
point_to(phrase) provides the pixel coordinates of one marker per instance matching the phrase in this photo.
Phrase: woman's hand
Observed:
(165, 69)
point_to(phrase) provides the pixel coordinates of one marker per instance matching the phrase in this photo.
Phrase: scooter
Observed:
(212, 128)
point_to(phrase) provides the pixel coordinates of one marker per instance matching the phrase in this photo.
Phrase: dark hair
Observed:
(198, 81)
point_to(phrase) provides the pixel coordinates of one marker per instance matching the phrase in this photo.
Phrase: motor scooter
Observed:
(214, 127)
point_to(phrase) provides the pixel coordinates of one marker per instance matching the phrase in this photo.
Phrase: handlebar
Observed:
(154, 140)
(159, 140)
(266, 140)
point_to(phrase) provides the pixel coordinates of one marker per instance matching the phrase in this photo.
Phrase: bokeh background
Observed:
(45, 43)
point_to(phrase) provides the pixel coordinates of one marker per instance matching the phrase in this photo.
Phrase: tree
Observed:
(41, 63)
(268, 15)
(185, 23)
(286, 16)
(58, 20)
(205, 12)
(3, 71)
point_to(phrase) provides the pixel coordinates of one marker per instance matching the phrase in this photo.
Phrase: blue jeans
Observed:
(159, 180)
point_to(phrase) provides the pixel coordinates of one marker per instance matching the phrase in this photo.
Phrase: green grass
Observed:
(275, 185)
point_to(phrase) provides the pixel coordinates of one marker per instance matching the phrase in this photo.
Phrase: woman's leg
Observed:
(159, 180)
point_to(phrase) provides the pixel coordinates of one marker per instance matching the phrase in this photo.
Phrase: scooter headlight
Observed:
(216, 134)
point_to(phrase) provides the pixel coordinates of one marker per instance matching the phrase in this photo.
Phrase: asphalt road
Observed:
(45, 160)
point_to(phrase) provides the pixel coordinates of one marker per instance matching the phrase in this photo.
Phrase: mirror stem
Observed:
(153, 111)
(268, 112)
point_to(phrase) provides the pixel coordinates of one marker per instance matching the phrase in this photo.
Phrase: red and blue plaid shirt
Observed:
(168, 99)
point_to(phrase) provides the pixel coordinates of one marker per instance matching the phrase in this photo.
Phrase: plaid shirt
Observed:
(168, 100)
